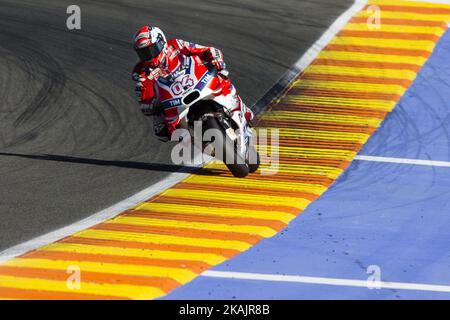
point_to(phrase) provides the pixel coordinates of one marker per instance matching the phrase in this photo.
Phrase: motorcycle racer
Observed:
(161, 58)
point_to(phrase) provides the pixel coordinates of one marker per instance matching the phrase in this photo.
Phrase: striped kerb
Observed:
(324, 118)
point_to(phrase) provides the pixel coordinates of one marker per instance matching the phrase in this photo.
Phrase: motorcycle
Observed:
(198, 93)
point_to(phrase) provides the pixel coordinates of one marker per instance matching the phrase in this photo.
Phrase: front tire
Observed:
(238, 167)
(253, 156)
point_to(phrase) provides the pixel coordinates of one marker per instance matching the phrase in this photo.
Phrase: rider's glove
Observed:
(143, 89)
(139, 84)
(217, 59)
(219, 64)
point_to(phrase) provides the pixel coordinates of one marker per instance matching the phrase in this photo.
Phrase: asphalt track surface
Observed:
(390, 215)
(72, 140)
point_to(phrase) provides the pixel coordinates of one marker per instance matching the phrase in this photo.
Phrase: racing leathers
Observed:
(146, 79)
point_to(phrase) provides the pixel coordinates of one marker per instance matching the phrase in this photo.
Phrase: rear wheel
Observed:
(234, 161)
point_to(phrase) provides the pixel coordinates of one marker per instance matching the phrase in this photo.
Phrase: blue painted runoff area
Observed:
(394, 216)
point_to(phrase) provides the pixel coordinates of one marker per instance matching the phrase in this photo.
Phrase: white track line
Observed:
(404, 161)
(173, 178)
(326, 281)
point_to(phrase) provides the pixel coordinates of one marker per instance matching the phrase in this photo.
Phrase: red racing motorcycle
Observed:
(196, 93)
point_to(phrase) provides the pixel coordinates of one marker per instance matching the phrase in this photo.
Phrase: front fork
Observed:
(245, 133)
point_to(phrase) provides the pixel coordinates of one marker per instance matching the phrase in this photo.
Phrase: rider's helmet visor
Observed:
(150, 52)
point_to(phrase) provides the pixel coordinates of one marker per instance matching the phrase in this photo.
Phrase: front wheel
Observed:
(253, 159)
(234, 161)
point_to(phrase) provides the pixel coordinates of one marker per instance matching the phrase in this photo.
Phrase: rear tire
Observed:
(238, 167)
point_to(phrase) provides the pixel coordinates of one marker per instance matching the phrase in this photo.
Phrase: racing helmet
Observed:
(150, 45)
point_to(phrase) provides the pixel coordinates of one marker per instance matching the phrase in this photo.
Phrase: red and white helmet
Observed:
(150, 45)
